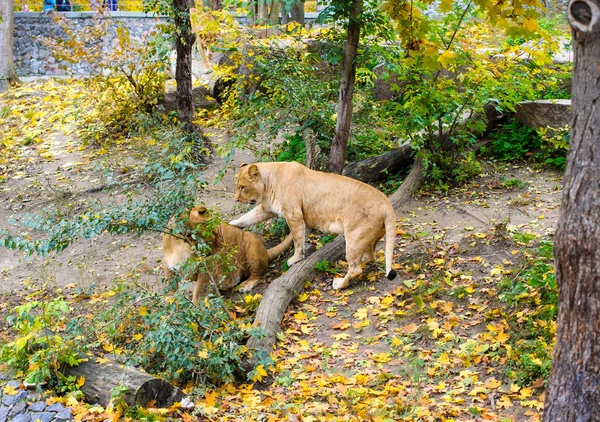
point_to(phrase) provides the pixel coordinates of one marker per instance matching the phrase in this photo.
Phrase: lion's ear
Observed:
(201, 210)
(243, 165)
(252, 171)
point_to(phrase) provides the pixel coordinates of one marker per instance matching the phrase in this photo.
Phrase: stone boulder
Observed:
(201, 94)
(554, 114)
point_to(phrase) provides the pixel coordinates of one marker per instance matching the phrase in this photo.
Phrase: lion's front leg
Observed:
(257, 215)
(298, 229)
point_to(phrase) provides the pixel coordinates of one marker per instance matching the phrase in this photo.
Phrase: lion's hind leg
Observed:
(356, 247)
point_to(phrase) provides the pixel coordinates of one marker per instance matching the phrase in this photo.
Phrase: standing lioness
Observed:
(324, 201)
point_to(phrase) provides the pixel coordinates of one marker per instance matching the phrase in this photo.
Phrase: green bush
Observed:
(171, 337)
(40, 348)
(513, 141)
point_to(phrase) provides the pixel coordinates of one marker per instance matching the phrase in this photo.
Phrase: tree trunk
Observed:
(142, 388)
(297, 12)
(184, 40)
(282, 290)
(312, 148)
(7, 67)
(276, 6)
(574, 385)
(217, 4)
(263, 13)
(344, 109)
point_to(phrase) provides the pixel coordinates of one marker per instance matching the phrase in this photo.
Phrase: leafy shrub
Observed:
(125, 81)
(40, 350)
(513, 141)
(172, 337)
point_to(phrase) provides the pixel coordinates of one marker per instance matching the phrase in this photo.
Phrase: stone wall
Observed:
(33, 58)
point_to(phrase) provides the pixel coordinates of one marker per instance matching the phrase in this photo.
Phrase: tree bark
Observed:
(375, 169)
(297, 12)
(282, 290)
(344, 110)
(184, 40)
(7, 66)
(574, 385)
(217, 4)
(276, 6)
(142, 388)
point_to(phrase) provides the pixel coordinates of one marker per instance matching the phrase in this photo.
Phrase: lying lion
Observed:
(324, 201)
(250, 257)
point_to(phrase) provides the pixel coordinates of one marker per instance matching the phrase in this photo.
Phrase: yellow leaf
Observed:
(396, 342)
(446, 58)
(260, 373)
(80, 381)
(444, 359)
(203, 354)
(361, 313)
(526, 392)
(11, 391)
(502, 337)
(210, 398)
(72, 401)
(530, 24)
(446, 6)
(143, 311)
(138, 337)
(342, 336)
(102, 360)
(302, 297)
(496, 271)
(301, 316)
(382, 357)
(493, 383)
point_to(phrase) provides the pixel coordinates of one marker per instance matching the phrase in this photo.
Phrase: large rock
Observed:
(201, 94)
(554, 114)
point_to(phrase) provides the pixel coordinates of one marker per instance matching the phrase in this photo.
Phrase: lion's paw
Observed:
(293, 260)
(338, 283)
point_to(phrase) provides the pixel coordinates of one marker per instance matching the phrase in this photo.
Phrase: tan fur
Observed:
(324, 201)
(250, 257)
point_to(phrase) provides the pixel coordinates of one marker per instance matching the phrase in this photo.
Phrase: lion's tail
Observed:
(390, 242)
(275, 251)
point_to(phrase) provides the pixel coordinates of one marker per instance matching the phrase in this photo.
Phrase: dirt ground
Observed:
(371, 334)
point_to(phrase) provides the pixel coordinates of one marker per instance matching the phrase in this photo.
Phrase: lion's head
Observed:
(198, 215)
(248, 186)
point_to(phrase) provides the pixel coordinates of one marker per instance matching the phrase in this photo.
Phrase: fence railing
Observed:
(94, 5)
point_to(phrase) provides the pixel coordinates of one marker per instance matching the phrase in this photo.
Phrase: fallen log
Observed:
(377, 168)
(284, 289)
(139, 387)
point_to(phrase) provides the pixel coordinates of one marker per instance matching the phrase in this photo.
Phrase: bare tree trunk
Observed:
(184, 40)
(7, 66)
(312, 148)
(344, 109)
(574, 386)
(217, 5)
(276, 6)
(297, 12)
(263, 12)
